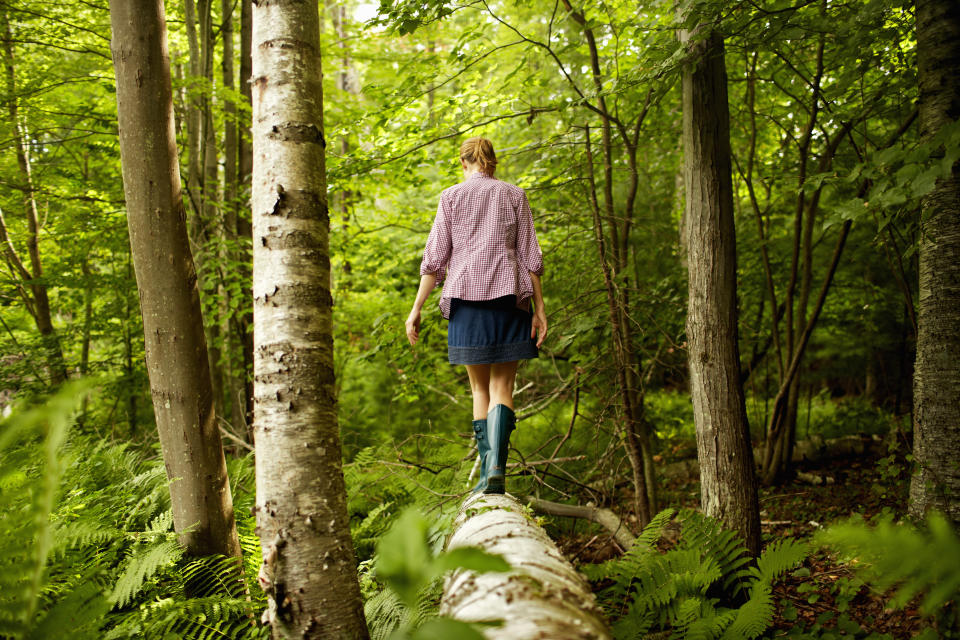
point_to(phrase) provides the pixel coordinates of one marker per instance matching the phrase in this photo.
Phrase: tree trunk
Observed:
(562, 606)
(194, 110)
(728, 489)
(176, 351)
(936, 381)
(614, 255)
(244, 229)
(642, 505)
(232, 330)
(39, 302)
(211, 232)
(310, 569)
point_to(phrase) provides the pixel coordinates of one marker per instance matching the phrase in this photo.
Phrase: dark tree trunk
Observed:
(232, 335)
(936, 380)
(39, 301)
(728, 487)
(176, 351)
(244, 229)
(310, 569)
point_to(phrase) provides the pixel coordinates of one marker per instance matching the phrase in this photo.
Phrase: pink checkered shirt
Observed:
(483, 245)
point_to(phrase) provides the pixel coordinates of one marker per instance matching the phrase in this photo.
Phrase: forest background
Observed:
(584, 108)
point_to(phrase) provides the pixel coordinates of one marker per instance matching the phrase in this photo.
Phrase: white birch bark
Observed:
(543, 596)
(310, 570)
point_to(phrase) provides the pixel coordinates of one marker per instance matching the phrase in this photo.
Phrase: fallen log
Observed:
(542, 596)
(604, 517)
(815, 449)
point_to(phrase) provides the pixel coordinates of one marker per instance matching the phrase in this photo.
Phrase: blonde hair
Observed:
(479, 151)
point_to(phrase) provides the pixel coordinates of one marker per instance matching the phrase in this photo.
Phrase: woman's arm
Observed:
(427, 283)
(539, 315)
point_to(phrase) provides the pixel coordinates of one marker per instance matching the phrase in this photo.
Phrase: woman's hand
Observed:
(538, 329)
(413, 326)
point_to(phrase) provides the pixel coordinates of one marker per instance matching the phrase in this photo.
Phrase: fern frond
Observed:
(82, 533)
(898, 554)
(162, 523)
(779, 556)
(754, 617)
(654, 529)
(384, 612)
(80, 611)
(634, 625)
(213, 575)
(213, 618)
(698, 619)
(142, 564)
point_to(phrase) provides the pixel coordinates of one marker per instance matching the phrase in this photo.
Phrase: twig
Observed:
(573, 416)
(243, 443)
(548, 461)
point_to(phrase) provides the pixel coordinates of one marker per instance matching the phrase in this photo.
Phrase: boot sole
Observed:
(495, 484)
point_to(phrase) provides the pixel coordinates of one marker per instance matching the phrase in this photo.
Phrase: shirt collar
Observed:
(478, 174)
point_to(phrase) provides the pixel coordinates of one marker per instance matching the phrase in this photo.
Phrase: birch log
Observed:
(542, 597)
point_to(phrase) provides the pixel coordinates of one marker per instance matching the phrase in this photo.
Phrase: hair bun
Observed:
(479, 151)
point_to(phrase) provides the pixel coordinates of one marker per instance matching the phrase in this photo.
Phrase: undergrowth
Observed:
(88, 550)
(87, 541)
(704, 587)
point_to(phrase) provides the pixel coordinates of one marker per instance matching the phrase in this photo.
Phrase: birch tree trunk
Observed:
(176, 351)
(310, 569)
(543, 596)
(728, 489)
(936, 380)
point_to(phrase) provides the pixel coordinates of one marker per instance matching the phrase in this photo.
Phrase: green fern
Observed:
(144, 562)
(87, 545)
(691, 587)
(30, 471)
(754, 617)
(779, 557)
(894, 554)
(213, 617)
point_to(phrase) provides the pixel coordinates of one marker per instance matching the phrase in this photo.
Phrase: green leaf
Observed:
(924, 183)
(470, 558)
(445, 629)
(403, 556)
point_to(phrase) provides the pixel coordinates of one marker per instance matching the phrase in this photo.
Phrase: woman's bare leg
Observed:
(480, 388)
(502, 376)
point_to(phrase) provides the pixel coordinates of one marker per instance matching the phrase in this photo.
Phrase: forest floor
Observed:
(823, 597)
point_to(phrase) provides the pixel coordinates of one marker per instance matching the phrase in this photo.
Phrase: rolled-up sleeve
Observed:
(528, 248)
(436, 255)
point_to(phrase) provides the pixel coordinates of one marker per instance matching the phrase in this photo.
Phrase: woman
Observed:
(484, 250)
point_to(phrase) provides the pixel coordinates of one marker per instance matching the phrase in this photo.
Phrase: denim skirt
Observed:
(488, 331)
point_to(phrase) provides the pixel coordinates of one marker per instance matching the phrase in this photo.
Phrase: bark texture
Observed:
(310, 570)
(543, 596)
(728, 489)
(936, 425)
(176, 351)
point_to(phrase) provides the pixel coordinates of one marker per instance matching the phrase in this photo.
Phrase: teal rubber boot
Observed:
(501, 422)
(483, 447)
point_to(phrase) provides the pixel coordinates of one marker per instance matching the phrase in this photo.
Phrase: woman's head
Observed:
(479, 151)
